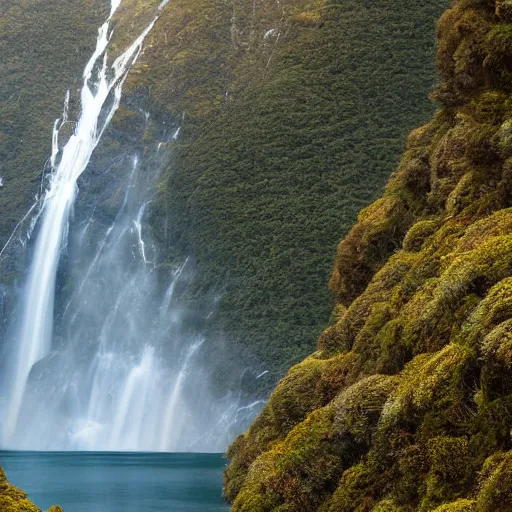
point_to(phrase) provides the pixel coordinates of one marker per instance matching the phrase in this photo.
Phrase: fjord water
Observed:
(99, 355)
(114, 482)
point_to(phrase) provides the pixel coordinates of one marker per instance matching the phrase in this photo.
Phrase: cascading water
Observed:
(121, 372)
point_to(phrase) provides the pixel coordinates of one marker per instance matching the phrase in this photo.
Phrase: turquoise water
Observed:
(119, 482)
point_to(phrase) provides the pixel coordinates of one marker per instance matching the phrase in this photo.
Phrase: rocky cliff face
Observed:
(406, 405)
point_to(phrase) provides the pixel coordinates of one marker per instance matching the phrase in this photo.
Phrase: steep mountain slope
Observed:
(44, 46)
(406, 405)
(293, 115)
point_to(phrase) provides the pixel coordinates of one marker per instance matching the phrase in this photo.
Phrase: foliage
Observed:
(294, 116)
(424, 421)
(14, 500)
(458, 506)
(44, 47)
(296, 474)
(496, 488)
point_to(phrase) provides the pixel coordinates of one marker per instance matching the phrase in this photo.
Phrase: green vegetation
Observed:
(421, 420)
(44, 47)
(295, 113)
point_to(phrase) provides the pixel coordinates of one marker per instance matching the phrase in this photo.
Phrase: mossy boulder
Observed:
(378, 233)
(458, 506)
(308, 386)
(297, 473)
(419, 234)
(359, 407)
(496, 488)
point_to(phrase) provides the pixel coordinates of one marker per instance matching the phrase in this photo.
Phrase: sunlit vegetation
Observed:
(13, 499)
(422, 327)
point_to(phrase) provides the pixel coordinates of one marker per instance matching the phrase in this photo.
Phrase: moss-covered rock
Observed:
(358, 408)
(297, 473)
(424, 284)
(419, 234)
(308, 386)
(458, 506)
(496, 488)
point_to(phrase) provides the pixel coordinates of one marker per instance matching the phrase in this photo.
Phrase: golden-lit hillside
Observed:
(406, 405)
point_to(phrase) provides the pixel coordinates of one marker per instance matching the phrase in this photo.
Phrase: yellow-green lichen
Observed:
(419, 234)
(496, 489)
(295, 474)
(458, 506)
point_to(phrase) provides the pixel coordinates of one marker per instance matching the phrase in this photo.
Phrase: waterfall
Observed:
(125, 373)
(37, 317)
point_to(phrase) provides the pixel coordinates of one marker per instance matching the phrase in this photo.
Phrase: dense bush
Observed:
(424, 421)
(294, 116)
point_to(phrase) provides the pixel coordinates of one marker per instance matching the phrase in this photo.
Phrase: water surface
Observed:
(119, 482)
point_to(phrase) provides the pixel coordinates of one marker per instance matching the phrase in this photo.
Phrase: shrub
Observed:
(13, 499)
(496, 488)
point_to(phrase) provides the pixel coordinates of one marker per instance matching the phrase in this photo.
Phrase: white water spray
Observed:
(171, 428)
(138, 226)
(126, 371)
(99, 97)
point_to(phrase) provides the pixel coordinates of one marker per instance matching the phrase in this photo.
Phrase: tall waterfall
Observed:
(119, 372)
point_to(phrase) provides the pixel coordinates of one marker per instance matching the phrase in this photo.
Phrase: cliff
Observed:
(406, 405)
(42, 57)
(293, 114)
